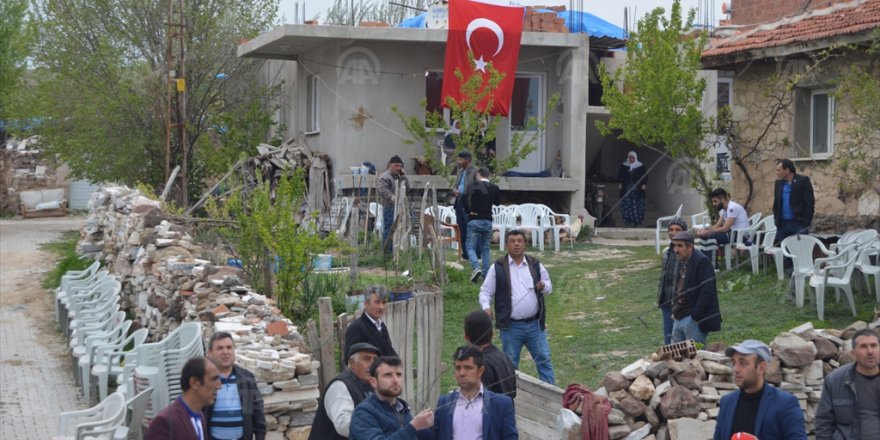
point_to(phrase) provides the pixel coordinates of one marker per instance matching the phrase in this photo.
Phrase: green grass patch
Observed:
(65, 249)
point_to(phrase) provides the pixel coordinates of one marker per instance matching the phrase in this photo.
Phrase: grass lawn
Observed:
(602, 314)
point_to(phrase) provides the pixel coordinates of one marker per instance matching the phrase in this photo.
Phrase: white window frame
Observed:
(313, 112)
(831, 110)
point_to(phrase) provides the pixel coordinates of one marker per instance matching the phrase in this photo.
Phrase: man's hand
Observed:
(489, 313)
(402, 171)
(455, 192)
(423, 420)
(540, 286)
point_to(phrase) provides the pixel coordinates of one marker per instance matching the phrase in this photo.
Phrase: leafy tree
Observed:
(103, 80)
(343, 12)
(477, 126)
(658, 106)
(266, 227)
(858, 93)
(16, 35)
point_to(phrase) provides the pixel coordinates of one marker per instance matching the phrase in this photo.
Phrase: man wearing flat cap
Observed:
(695, 310)
(757, 409)
(343, 393)
(387, 186)
(465, 179)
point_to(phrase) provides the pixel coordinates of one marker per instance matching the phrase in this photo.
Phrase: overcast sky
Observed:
(610, 10)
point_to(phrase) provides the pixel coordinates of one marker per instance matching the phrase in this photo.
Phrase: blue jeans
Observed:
(387, 221)
(479, 237)
(535, 340)
(461, 218)
(667, 324)
(686, 328)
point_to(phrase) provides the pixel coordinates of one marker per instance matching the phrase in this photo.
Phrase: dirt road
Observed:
(36, 381)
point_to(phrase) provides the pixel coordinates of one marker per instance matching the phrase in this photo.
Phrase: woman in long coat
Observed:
(632, 190)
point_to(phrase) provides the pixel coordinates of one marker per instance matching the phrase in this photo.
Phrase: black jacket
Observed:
(503, 294)
(802, 201)
(251, 405)
(699, 284)
(484, 195)
(322, 426)
(499, 376)
(363, 330)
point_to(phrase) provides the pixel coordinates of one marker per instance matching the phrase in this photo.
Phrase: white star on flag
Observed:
(480, 65)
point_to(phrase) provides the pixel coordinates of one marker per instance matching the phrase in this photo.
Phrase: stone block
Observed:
(615, 381)
(298, 433)
(813, 371)
(618, 432)
(277, 328)
(568, 425)
(825, 349)
(793, 350)
(690, 429)
(635, 369)
(632, 406)
(639, 434)
(851, 329)
(679, 402)
(713, 367)
(642, 388)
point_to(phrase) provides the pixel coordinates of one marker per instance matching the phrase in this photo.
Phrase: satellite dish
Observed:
(724, 8)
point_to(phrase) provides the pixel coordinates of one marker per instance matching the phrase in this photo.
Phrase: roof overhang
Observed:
(718, 62)
(289, 41)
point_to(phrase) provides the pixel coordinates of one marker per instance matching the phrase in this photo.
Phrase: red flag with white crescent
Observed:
(492, 33)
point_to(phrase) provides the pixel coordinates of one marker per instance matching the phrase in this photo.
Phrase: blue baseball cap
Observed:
(750, 346)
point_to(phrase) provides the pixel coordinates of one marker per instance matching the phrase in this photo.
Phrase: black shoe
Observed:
(475, 275)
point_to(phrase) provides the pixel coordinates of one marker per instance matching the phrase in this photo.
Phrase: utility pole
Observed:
(175, 101)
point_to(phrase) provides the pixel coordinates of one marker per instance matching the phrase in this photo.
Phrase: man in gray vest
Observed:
(518, 284)
(343, 393)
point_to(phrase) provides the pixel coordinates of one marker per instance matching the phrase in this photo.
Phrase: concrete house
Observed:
(765, 45)
(341, 82)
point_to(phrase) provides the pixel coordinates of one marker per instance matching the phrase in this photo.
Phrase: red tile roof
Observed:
(839, 19)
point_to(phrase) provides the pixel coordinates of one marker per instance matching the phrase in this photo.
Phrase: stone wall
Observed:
(746, 12)
(836, 210)
(679, 400)
(167, 281)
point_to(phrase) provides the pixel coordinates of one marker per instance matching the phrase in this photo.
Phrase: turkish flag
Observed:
(492, 33)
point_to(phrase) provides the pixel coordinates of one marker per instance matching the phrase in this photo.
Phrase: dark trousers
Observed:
(461, 218)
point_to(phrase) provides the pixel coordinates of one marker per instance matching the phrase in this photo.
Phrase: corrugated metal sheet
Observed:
(80, 192)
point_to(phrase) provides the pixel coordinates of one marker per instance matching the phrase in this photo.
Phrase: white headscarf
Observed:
(453, 129)
(635, 164)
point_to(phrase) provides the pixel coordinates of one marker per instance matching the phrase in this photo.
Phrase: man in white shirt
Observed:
(518, 284)
(733, 216)
(345, 391)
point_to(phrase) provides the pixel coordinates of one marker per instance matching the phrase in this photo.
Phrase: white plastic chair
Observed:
(549, 221)
(137, 406)
(151, 369)
(661, 226)
(74, 277)
(447, 233)
(800, 249)
(376, 212)
(97, 422)
(107, 359)
(530, 220)
(836, 272)
(701, 220)
(760, 235)
(503, 220)
(867, 268)
(84, 296)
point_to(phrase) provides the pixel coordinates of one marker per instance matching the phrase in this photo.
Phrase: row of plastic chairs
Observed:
(113, 418)
(533, 218)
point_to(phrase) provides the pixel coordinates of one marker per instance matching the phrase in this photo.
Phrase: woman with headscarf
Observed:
(632, 190)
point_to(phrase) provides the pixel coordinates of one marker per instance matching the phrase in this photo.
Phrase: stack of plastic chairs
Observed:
(800, 249)
(549, 220)
(74, 278)
(157, 365)
(530, 215)
(104, 421)
(503, 220)
(109, 360)
(80, 292)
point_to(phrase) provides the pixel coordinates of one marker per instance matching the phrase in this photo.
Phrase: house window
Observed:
(313, 105)
(725, 93)
(524, 103)
(814, 124)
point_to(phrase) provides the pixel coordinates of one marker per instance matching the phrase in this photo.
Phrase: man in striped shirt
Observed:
(237, 412)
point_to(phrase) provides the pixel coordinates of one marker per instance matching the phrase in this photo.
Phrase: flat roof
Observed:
(287, 42)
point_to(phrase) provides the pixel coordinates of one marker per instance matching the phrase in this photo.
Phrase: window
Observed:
(524, 103)
(313, 105)
(814, 124)
(434, 94)
(725, 96)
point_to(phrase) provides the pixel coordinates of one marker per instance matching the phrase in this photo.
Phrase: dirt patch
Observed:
(601, 254)
(617, 274)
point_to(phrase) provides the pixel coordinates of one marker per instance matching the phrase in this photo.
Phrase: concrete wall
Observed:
(832, 203)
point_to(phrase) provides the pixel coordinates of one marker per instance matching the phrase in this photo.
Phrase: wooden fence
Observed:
(537, 406)
(416, 328)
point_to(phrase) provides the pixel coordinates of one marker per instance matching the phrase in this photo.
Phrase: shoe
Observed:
(475, 275)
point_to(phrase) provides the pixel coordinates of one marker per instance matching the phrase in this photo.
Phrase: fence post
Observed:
(327, 340)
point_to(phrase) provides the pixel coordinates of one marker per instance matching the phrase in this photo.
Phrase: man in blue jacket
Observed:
(472, 411)
(695, 309)
(757, 407)
(382, 415)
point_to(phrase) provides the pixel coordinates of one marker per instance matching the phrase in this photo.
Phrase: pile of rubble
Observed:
(23, 166)
(167, 281)
(679, 400)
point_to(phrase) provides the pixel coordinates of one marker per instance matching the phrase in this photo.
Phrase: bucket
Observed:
(400, 296)
(322, 262)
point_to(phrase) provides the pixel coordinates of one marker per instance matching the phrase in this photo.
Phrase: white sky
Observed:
(609, 10)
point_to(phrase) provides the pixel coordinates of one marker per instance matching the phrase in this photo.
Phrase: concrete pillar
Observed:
(574, 119)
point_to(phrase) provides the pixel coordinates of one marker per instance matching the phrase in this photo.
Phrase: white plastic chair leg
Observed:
(820, 301)
(849, 297)
(799, 290)
(778, 260)
(753, 256)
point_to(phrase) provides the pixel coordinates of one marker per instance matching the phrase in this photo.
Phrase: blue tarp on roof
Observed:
(576, 21)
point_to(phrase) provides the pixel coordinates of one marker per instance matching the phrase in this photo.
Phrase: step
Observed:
(626, 233)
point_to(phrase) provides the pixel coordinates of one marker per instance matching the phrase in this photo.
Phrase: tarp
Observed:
(576, 21)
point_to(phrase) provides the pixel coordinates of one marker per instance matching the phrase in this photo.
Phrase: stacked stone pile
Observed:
(23, 166)
(167, 281)
(678, 400)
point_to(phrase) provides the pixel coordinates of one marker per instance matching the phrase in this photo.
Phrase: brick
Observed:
(277, 328)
